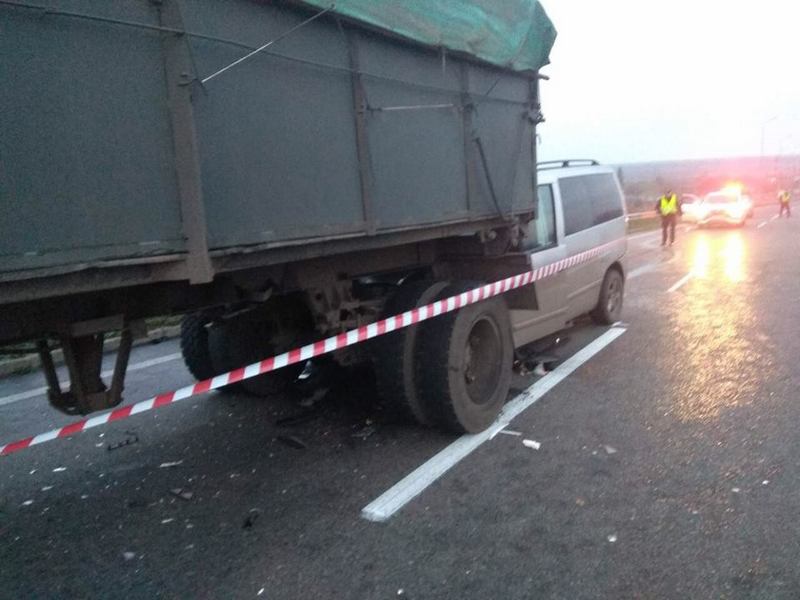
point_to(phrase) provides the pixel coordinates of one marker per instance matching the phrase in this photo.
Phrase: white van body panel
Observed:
(575, 291)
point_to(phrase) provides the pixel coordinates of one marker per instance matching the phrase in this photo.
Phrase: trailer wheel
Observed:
(194, 345)
(464, 363)
(257, 334)
(609, 304)
(393, 353)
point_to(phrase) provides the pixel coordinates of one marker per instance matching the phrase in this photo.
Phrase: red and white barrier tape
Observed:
(336, 342)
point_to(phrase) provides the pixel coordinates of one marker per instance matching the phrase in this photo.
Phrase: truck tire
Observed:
(464, 361)
(194, 346)
(255, 335)
(609, 304)
(393, 354)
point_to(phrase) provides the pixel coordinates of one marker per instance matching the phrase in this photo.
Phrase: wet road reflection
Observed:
(726, 251)
(712, 327)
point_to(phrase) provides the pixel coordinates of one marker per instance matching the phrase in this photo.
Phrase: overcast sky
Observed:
(640, 80)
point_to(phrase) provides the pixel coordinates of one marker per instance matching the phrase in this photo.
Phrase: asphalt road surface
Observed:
(662, 461)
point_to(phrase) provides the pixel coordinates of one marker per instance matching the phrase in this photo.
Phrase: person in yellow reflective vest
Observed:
(669, 209)
(783, 200)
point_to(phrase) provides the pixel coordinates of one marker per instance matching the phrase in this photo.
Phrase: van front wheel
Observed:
(609, 304)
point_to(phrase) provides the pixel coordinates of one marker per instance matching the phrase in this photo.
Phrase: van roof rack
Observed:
(570, 162)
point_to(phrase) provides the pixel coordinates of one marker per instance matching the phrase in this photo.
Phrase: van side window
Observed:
(589, 200)
(577, 203)
(542, 231)
(606, 199)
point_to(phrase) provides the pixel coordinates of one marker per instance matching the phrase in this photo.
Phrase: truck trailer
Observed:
(276, 171)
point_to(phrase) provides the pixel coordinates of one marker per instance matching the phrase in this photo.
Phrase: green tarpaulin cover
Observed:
(515, 34)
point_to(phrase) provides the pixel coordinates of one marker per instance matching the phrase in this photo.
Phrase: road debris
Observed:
(27, 503)
(580, 501)
(292, 441)
(505, 432)
(261, 591)
(735, 490)
(765, 482)
(531, 444)
(539, 370)
(364, 432)
(251, 518)
(298, 418)
(47, 488)
(182, 493)
(168, 520)
(314, 397)
(609, 449)
(131, 439)
(169, 465)
(612, 538)
(59, 469)
(128, 555)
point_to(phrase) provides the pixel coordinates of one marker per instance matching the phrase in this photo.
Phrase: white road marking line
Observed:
(760, 225)
(41, 391)
(682, 281)
(413, 484)
(773, 217)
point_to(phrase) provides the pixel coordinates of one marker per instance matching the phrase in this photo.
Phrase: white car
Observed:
(725, 207)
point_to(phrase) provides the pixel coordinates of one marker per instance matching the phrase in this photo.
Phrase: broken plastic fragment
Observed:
(167, 465)
(59, 469)
(612, 538)
(531, 444)
(292, 441)
(181, 493)
(364, 432)
(251, 518)
(128, 555)
(610, 449)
